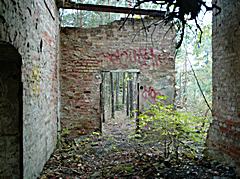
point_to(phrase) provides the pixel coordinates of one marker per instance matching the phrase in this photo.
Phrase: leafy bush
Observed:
(178, 133)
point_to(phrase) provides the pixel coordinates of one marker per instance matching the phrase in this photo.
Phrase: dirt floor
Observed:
(115, 154)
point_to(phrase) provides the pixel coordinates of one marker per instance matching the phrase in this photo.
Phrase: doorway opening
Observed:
(119, 99)
(11, 121)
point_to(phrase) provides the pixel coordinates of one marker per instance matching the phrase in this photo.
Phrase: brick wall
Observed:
(32, 28)
(86, 52)
(224, 133)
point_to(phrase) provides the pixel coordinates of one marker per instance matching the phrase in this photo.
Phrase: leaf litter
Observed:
(113, 154)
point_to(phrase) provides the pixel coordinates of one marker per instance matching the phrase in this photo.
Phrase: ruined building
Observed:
(32, 99)
(90, 56)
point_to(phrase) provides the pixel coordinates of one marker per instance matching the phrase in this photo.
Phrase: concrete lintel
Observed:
(121, 70)
(113, 9)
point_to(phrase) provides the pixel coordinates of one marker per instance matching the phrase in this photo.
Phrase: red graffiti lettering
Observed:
(143, 57)
(149, 93)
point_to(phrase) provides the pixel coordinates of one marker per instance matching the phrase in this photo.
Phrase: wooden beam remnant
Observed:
(138, 108)
(113, 9)
(131, 96)
(127, 101)
(117, 91)
(112, 95)
(123, 88)
(102, 98)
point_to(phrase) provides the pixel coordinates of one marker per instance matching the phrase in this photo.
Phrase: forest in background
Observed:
(88, 19)
(194, 57)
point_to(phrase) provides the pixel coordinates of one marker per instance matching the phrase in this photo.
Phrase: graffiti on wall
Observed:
(149, 93)
(143, 57)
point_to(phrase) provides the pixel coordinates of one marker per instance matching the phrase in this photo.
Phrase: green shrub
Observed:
(178, 133)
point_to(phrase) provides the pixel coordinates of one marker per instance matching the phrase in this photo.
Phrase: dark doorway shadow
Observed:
(11, 113)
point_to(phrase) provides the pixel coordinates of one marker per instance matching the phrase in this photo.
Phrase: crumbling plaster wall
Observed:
(32, 27)
(86, 52)
(224, 133)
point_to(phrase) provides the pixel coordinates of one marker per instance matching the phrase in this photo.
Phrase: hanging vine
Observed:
(178, 13)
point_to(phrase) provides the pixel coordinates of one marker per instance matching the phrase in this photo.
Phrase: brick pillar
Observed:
(224, 133)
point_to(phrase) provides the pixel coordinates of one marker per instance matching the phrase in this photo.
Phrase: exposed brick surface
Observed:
(32, 27)
(86, 52)
(224, 133)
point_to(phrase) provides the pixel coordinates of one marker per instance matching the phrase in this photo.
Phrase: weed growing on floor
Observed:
(177, 133)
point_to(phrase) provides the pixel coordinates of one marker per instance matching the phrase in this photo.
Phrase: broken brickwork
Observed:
(224, 133)
(88, 52)
(31, 28)
(29, 36)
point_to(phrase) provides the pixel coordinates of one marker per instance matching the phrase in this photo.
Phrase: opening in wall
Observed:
(119, 94)
(11, 120)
